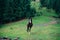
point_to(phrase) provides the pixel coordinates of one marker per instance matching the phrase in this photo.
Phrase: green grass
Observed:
(18, 29)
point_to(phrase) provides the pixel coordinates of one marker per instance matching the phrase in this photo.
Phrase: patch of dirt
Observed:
(46, 24)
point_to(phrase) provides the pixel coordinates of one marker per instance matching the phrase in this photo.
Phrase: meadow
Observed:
(44, 28)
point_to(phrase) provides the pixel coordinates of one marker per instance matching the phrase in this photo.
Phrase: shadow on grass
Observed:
(7, 38)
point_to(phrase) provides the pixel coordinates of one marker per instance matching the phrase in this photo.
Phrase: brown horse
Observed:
(29, 25)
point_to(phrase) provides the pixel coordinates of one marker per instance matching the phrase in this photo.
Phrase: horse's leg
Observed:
(30, 28)
(27, 28)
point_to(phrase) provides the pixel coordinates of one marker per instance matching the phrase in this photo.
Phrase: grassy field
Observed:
(44, 28)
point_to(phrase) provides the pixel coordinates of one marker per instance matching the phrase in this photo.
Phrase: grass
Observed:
(18, 29)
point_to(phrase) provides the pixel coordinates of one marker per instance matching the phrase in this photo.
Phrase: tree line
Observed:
(54, 4)
(12, 10)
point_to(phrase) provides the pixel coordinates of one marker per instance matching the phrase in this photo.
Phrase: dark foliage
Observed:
(54, 4)
(12, 10)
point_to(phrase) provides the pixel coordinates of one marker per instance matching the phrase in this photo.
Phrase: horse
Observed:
(29, 25)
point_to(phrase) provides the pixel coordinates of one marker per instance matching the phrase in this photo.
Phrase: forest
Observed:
(13, 10)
